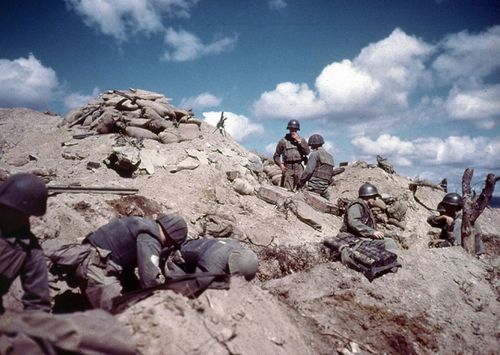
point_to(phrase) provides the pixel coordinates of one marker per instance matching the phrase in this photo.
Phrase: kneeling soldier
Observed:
(21, 196)
(106, 259)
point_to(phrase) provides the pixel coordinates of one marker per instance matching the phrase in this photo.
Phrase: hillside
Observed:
(441, 300)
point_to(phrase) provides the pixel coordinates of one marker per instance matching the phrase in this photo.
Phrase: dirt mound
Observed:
(301, 302)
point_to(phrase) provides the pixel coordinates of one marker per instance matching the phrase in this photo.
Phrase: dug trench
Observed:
(337, 320)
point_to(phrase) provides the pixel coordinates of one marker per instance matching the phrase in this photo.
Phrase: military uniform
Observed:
(318, 173)
(292, 154)
(110, 256)
(359, 221)
(452, 234)
(21, 255)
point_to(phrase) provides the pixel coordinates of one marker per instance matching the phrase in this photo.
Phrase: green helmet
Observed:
(293, 124)
(243, 262)
(26, 193)
(367, 190)
(316, 139)
(175, 227)
(453, 199)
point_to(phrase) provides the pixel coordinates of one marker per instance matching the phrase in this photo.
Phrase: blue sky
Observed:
(415, 81)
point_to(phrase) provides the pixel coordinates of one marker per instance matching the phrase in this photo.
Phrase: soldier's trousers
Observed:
(292, 175)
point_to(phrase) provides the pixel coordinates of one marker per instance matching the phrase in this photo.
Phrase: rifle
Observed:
(77, 189)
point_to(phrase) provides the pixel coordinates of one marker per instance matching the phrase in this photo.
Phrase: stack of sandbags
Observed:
(391, 210)
(135, 113)
(272, 171)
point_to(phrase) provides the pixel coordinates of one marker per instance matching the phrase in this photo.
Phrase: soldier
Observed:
(21, 196)
(319, 170)
(359, 220)
(216, 256)
(107, 258)
(290, 152)
(449, 221)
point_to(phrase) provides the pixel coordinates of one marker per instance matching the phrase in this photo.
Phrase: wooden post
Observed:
(473, 207)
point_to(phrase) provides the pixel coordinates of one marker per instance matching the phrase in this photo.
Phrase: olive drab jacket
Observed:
(291, 151)
(359, 220)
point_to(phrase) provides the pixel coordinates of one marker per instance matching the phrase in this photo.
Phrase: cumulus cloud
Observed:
(238, 126)
(77, 99)
(468, 56)
(481, 106)
(378, 80)
(119, 18)
(453, 151)
(203, 100)
(184, 46)
(26, 82)
(277, 4)
(270, 148)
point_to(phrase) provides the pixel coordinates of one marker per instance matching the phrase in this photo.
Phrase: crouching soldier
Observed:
(104, 264)
(319, 170)
(215, 257)
(359, 220)
(449, 221)
(21, 196)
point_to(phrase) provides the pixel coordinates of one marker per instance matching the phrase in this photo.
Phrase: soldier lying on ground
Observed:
(104, 264)
(290, 152)
(319, 170)
(218, 256)
(449, 221)
(21, 196)
(359, 220)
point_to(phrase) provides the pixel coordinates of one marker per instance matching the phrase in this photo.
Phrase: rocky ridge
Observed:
(301, 302)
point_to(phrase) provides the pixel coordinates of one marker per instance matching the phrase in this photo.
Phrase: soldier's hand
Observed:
(378, 235)
(449, 220)
(283, 168)
(295, 136)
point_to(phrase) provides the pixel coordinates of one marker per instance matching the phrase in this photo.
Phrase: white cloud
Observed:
(186, 46)
(203, 100)
(270, 148)
(75, 100)
(118, 18)
(277, 4)
(467, 56)
(379, 80)
(453, 151)
(26, 82)
(238, 126)
(481, 106)
(289, 100)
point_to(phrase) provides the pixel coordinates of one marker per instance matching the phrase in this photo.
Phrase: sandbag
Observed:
(138, 132)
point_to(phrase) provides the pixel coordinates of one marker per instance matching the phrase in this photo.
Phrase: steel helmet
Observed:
(26, 193)
(453, 199)
(293, 124)
(243, 262)
(316, 139)
(441, 207)
(175, 227)
(367, 190)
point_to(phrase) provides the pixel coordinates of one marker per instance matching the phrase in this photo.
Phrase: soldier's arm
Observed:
(354, 221)
(304, 148)
(436, 221)
(34, 280)
(280, 147)
(148, 260)
(307, 173)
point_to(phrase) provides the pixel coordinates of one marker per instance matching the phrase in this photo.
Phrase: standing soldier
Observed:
(290, 152)
(319, 170)
(21, 196)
